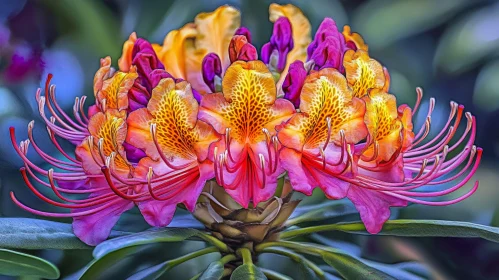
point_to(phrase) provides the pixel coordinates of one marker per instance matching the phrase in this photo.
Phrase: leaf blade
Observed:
(143, 238)
(247, 271)
(14, 263)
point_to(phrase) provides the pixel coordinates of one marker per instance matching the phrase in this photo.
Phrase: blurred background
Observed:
(449, 48)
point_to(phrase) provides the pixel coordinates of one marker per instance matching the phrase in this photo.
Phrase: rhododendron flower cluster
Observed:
(206, 106)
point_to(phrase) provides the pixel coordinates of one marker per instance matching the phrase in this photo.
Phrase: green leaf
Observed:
(151, 273)
(469, 41)
(214, 271)
(429, 228)
(142, 238)
(414, 228)
(306, 272)
(99, 266)
(247, 272)
(23, 233)
(13, 263)
(350, 267)
(323, 211)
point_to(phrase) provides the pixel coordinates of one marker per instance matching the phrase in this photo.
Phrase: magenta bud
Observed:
(211, 68)
(245, 32)
(280, 41)
(294, 81)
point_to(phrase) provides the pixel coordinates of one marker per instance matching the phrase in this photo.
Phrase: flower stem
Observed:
(228, 258)
(245, 253)
(215, 242)
(192, 255)
(309, 230)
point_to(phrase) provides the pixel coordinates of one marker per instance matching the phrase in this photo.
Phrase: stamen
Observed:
(419, 92)
(264, 175)
(328, 121)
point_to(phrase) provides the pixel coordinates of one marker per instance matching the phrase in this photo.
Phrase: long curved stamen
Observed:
(54, 161)
(60, 215)
(436, 203)
(419, 92)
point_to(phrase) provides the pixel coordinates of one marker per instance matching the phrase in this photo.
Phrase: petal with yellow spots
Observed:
(177, 145)
(301, 32)
(364, 73)
(316, 140)
(247, 112)
(114, 92)
(354, 39)
(107, 134)
(383, 125)
(179, 135)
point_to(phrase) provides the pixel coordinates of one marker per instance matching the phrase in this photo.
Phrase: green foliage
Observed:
(23, 233)
(13, 263)
(247, 271)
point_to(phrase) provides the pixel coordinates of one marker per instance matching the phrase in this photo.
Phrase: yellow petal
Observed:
(326, 95)
(115, 89)
(363, 73)
(248, 103)
(382, 122)
(301, 32)
(214, 33)
(110, 130)
(173, 110)
(173, 52)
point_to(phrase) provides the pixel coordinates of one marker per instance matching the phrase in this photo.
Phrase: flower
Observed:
(246, 113)
(202, 110)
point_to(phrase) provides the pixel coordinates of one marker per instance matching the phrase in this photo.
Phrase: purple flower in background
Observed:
(328, 47)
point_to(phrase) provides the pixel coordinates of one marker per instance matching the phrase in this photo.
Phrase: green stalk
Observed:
(192, 255)
(228, 258)
(245, 253)
(296, 258)
(308, 249)
(215, 242)
(309, 230)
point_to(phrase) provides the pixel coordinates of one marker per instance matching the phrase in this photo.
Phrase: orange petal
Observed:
(301, 32)
(110, 130)
(125, 61)
(173, 110)
(214, 33)
(326, 95)
(354, 38)
(250, 93)
(362, 72)
(104, 72)
(115, 89)
(173, 52)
